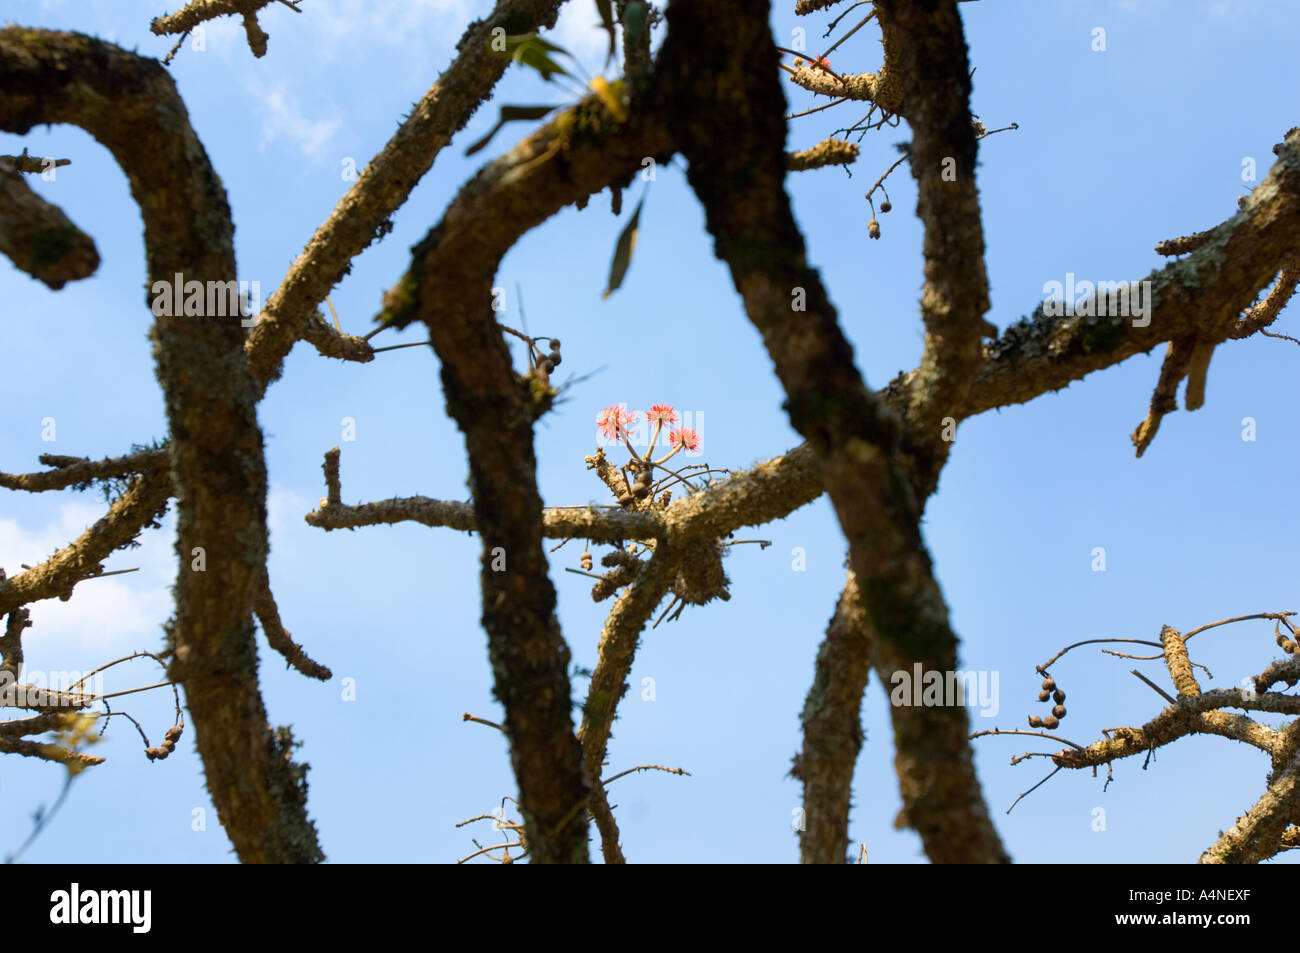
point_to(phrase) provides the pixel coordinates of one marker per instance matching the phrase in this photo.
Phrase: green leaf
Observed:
(510, 114)
(606, 10)
(623, 251)
(531, 50)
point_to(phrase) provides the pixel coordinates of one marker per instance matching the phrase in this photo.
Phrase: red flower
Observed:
(616, 421)
(662, 414)
(685, 437)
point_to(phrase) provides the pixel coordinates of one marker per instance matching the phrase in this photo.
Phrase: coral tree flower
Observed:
(684, 437)
(661, 414)
(615, 422)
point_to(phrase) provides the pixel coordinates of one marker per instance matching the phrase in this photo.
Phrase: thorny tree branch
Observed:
(832, 725)
(37, 236)
(737, 172)
(1259, 834)
(198, 11)
(387, 181)
(216, 446)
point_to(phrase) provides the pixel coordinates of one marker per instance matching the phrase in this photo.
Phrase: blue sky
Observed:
(1116, 151)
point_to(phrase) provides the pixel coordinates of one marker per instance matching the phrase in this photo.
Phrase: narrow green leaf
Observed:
(606, 10)
(510, 114)
(532, 39)
(623, 251)
(531, 50)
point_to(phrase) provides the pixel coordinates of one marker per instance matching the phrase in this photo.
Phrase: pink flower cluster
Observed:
(616, 423)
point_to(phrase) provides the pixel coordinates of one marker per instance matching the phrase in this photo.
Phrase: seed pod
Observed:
(547, 365)
(1281, 640)
(1050, 722)
(1043, 696)
(174, 733)
(586, 561)
(554, 358)
(162, 753)
(886, 205)
(555, 344)
(1058, 696)
(1059, 711)
(1048, 684)
(151, 753)
(1288, 647)
(873, 229)
(1035, 721)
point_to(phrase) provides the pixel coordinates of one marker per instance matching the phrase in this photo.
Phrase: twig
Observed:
(482, 721)
(1160, 691)
(644, 767)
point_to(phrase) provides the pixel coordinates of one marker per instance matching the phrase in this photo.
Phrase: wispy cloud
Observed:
(283, 118)
(104, 617)
(115, 615)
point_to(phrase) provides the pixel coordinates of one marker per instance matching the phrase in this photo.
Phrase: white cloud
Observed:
(282, 116)
(285, 507)
(106, 617)
(115, 615)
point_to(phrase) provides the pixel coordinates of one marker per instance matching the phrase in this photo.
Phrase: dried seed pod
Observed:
(151, 753)
(1049, 684)
(1288, 647)
(1035, 721)
(555, 344)
(1058, 696)
(162, 753)
(554, 358)
(886, 205)
(1050, 721)
(1281, 639)
(547, 365)
(1043, 696)
(1059, 711)
(585, 561)
(174, 733)
(873, 229)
